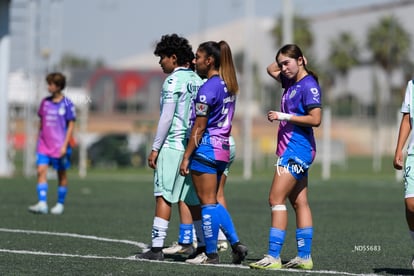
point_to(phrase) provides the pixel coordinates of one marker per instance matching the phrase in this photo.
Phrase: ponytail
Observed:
(313, 74)
(227, 70)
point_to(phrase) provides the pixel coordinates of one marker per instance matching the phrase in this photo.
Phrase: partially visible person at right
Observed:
(404, 132)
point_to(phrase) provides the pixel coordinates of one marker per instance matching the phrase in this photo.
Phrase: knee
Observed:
(300, 204)
(41, 173)
(409, 206)
(276, 201)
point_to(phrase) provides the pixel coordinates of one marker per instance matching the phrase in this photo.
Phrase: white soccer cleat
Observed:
(203, 259)
(268, 262)
(177, 248)
(412, 263)
(57, 209)
(39, 208)
(299, 263)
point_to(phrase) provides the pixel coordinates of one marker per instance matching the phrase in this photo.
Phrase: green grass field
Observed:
(359, 225)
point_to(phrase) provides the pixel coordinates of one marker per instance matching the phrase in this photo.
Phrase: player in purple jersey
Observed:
(300, 111)
(57, 119)
(208, 150)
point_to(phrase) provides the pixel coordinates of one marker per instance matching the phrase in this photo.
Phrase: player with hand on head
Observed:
(300, 112)
(57, 119)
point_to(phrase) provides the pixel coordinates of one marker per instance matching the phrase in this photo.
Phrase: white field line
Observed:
(139, 244)
(132, 258)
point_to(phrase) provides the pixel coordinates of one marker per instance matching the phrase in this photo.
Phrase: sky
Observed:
(112, 30)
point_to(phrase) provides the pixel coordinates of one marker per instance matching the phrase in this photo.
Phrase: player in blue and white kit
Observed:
(404, 132)
(300, 111)
(178, 92)
(208, 150)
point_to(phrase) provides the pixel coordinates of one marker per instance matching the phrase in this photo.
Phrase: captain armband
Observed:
(201, 109)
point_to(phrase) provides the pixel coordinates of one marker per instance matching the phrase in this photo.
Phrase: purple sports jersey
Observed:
(214, 101)
(54, 119)
(297, 99)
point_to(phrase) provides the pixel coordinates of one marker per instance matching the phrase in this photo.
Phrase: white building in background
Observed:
(325, 28)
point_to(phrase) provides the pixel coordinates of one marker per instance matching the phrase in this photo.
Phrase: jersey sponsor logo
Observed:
(193, 87)
(203, 98)
(62, 109)
(315, 92)
(201, 109)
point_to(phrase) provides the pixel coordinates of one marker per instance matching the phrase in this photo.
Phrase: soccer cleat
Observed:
(203, 259)
(239, 252)
(412, 263)
(222, 245)
(150, 255)
(268, 262)
(299, 263)
(177, 248)
(57, 209)
(39, 208)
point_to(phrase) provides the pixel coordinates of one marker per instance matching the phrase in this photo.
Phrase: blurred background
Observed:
(361, 51)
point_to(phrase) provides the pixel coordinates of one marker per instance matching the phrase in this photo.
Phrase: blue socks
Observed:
(276, 240)
(303, 238)
(226, 224)
(185, 235)
(211, 224)
(42, 191)
(62, 191)
(304, 242)
(214, 217)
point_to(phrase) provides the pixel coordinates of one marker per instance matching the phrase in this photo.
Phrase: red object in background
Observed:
(128, 84)
(18, 140)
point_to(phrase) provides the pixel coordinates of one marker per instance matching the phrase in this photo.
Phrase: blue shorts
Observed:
(204, 165)
(59, 164)
(297, 166)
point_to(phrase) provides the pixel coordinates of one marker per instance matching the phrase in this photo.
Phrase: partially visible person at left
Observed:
(57, 119)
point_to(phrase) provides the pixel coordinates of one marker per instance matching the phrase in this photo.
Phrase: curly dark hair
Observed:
(175, 45)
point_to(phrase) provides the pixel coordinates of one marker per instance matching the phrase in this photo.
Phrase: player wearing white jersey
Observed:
(404, 132)
(178, 91)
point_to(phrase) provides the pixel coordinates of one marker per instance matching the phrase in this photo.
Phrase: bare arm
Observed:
(404, 132)
(312, 119)
(274, 71)
(197, 132)
(69, 134)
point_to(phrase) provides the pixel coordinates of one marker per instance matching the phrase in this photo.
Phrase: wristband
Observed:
(283, 116)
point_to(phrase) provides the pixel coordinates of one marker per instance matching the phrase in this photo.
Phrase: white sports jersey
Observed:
(180, 88)
(408, 107)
